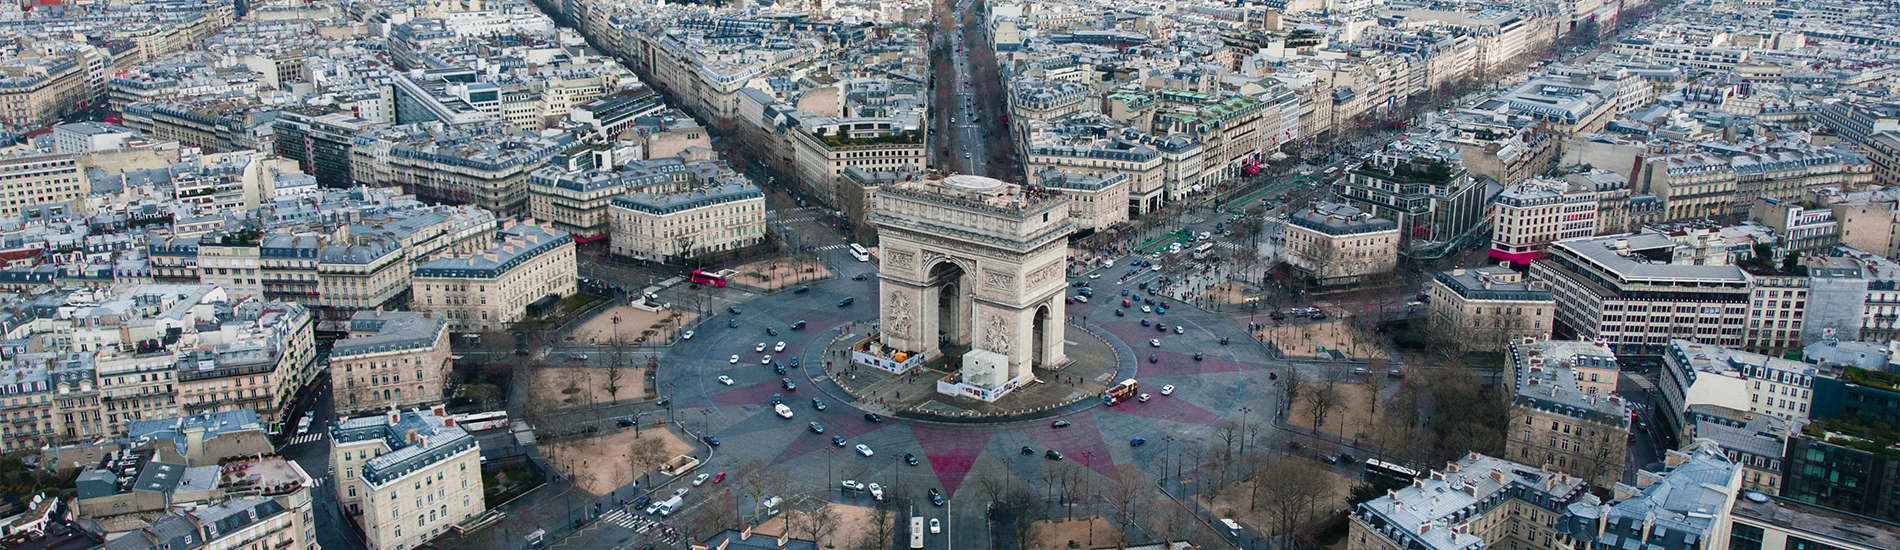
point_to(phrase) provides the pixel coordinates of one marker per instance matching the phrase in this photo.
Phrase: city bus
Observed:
(1201, 252)
(1389, 471)
(705, 278)
(476, 422)
(1124, 391)
(858, 251)
(916, 532)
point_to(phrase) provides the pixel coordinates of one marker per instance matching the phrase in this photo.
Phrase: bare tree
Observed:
(646, 455)
(718, 514)
(883, 527)
(1229, 434)
(817, 519)
(1320, 401)
(1298, 490)
(752, 483)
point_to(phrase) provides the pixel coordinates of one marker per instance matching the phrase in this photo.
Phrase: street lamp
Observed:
(1245, 412)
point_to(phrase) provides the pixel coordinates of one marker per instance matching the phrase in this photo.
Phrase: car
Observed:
(839, 441)
(851, 485)
(1156, 267)
(816, 427)
(1121, 313)
(734, 360)
(864, 449)
(711, 440)
(787, 384)
(877, 492)
(733, 309)
(1146, 309)
(1052, 454)
(936, 496)
(727, 380)
(765, 360)
(624, 422)
(794, 362)
(1198, 356)
(1059, 424)
(1161, 310)
(935, 527)
(732, 323)
(1144, 322)
(654, 508)
(759, 348)
(778, 347)
(910, 459)
(1154, 342)
(1167, 390)
(688, 335)
(1142, 398)
(1331, 459)
(778, 399)
(802, 290)
(818, 404)
(1081, 298)
(1179, 330)
(1126, 303)
(701, 479)
(798, 325)
(846, 302)
(719, 477)
(1137, 442)
(642, 502)
(1161, 327)
(778, 368)
(1152, 358)
(769, 331)
(1095, 275)
(1028, 451)
(1347, 458)
(873, 417)
(859, 277)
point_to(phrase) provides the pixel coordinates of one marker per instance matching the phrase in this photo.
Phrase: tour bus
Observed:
(1394, 472)
(699, 277)
(476, 422)
(858, 251)
(1200, 252)
(1124, 391)
(916, 532)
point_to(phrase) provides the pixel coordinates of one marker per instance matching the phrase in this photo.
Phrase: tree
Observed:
(1320, 401)
(1293, 383)
(752, 483)
(1124, 498)
(718, 514)
(1297, 490)
(646, 455)
(1229, 433)
(883, 527)
(617, 357)
(817, 519)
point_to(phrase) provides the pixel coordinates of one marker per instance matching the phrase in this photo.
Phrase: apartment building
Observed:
(822, 147)
(1702, 374)
(1755, 442)
(261, 371)
(1684, 505)
(37, 90)
(1799, 226)
(1420, 187)
(1089, 148)
(1097, 200)
(1475, 502)
(1335, 244)
(484, 164)
(666, 226)
(273, 522)
(1763, 521)
(1558, 422)
(1529, 216)
(391, 360)
(1489, 307)
(525, 265)
(573, 192)
(32, 181)
(407, 476)
(1632, 292)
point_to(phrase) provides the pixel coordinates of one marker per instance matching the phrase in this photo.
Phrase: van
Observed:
(846, 302)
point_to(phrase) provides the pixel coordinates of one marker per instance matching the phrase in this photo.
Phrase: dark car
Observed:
(802, 290)
(624, 422)
(1059, 424)
(817, 403)
(873, 417)
(1137, 442)
(778, 399)
(936, 497)
(798, 325)
(787, 384)
(732, 323)
(1152, 358)
(1028, 451)
(816, 427)
(846, 302)
(910, 459)
(733, 309)
(769, 331)
(858, 277)
(778, 368)
(711, 440)
(837, 440)
(1052, 454)
(642, 502)
(1197, 356)
(1120, 313)
(1144, 322)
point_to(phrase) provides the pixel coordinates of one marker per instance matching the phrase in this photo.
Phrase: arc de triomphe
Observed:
(973, 261)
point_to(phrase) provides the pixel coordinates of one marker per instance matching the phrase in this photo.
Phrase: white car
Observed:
(851, 485)
(680, 492)
(1167, 390)
(759, 348)
(935, 526)
(1179, 330)
(687, 336)
(734, 360)
(877, 492)
(765, 359)
(1156, 267)
(1146, 309)
(1091, 276)
(864, 449)
(1142, 398)
(1081, 298)
(782, 410)
(701, 480)
(778, 347)
(727, 380)
(1156, 342)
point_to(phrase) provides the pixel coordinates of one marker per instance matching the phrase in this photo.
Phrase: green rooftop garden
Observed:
(899, 138)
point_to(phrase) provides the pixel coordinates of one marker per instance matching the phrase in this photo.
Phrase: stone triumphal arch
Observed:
(974, 263)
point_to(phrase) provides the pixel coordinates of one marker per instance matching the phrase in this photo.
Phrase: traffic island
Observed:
(910, 389)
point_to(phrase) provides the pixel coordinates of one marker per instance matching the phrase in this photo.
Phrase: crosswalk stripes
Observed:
(306, 438)
(621, 518)
(831, 247)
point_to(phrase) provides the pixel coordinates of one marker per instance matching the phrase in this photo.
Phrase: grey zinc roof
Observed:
(215, 424)
(1339, 219)
(535, 241)
(1599, 251)
(1547, 379)
(388, 331)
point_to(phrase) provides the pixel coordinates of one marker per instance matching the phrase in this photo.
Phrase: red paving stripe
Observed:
(951, 451)
(1166, 407)
(1080, 442)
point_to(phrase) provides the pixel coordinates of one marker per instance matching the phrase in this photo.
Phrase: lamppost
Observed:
(1245, 413)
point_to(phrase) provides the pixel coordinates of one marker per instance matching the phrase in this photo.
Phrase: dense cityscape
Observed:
(1373, 274)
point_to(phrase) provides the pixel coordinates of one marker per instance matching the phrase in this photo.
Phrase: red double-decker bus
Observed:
(1124, 391)
(704, 278)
